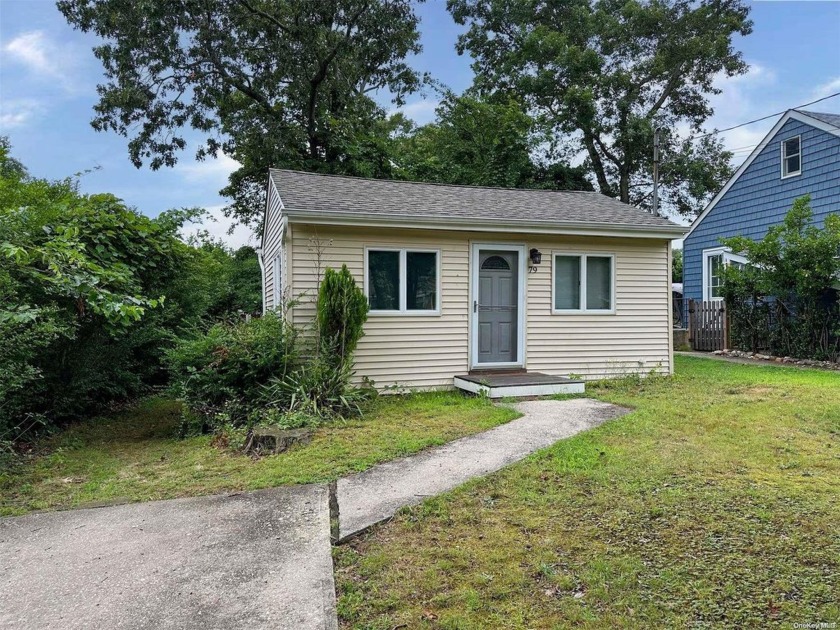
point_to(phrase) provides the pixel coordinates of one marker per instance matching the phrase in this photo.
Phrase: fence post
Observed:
(726, 326)
(689, 316)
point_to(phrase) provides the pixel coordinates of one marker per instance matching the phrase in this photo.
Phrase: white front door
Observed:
(498, 305)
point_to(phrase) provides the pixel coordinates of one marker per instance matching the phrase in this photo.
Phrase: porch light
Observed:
(536, 256)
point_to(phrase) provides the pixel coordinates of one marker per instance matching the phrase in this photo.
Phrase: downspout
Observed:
(262, 275)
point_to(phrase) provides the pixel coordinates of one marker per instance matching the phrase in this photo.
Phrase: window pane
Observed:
(792, 164)
(384, 281)
(791, 147)
(421, 281)
(715, 264)
(598, 283)
(566, 282)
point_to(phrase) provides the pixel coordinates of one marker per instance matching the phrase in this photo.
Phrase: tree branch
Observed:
(263, 14)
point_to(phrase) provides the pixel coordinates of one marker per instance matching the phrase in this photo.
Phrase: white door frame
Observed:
(521, 289)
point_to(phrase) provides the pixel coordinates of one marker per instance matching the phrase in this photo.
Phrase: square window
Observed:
(402, 281)
(583, 283)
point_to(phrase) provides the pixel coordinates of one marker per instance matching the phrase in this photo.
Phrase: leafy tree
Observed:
(677, 265)
(786, 300)
(605, 73)
(482, 143)
(271, 83)
(91, 293)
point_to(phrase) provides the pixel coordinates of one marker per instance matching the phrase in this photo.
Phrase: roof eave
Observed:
(475, 225)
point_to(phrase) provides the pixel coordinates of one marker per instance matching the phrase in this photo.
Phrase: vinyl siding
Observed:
(427, 351)
(273, 246)
(760, 198)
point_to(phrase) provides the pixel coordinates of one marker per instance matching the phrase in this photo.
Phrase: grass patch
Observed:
(136, 456)
(715, 502)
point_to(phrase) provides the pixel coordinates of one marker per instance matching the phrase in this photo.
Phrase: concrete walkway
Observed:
(254, 560)
(376, 494)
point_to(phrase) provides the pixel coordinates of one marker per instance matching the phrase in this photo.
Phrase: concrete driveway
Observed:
(255, 560)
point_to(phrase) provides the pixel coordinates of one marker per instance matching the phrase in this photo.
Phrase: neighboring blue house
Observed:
(800, 155)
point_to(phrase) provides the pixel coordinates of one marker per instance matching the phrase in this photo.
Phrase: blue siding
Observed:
(760, 198)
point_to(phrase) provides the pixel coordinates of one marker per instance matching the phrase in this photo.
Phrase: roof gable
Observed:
(809, 118)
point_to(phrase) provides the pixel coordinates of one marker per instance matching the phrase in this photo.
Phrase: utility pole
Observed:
(655, 208)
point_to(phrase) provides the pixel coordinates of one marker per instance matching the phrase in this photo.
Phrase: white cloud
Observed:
(212, 169)
(421, 112)
(218, 227)
(44, 58)
(31, 50)
(18, 112)
(741, 99)
(829, 87)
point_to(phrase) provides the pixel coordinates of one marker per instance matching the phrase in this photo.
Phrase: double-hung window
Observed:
(584, 283)
(791, 157)
(402, 281)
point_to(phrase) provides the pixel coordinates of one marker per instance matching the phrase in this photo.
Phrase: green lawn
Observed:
(136, 456)
(716, 503)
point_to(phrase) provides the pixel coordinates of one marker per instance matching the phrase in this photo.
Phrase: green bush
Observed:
(92, 293)
(342, 312)
(785, 301)
(220, 374)
(320, 388)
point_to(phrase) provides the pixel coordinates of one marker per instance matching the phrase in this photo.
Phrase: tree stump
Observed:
(271, 441)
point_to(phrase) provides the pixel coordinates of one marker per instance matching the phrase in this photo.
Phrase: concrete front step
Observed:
(517, 384)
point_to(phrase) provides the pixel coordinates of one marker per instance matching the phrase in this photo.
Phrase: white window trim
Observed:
(277, 278)
(403, 311)
(785, 156)
(583, 310)
(728, 257)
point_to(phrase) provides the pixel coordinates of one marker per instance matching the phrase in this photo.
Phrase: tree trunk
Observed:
(597, 163)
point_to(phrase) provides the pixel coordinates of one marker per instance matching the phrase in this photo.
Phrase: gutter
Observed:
(514, 226)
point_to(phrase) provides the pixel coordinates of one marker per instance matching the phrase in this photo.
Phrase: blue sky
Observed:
(48, 77)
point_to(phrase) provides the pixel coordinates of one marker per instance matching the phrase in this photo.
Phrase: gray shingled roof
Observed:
(309, 192)
(831, 119)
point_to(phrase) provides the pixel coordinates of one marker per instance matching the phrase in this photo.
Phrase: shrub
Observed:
(784, 302)
(220, 374)
(320, 388)
(342, 312)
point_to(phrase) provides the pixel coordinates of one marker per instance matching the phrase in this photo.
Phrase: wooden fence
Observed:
(708, 328)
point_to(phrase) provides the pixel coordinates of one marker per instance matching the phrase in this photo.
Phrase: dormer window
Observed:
(791, 157)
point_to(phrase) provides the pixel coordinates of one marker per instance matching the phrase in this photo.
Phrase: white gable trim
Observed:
(790, 114)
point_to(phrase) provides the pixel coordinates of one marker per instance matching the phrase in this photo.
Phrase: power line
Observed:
(750, 122)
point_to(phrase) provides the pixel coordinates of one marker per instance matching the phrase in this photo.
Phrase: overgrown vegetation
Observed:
(785, 301)
(714, 504)
(219, 375)
(92, 293)
(265, 371)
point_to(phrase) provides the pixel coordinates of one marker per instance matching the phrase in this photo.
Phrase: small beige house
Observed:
(467, 283)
